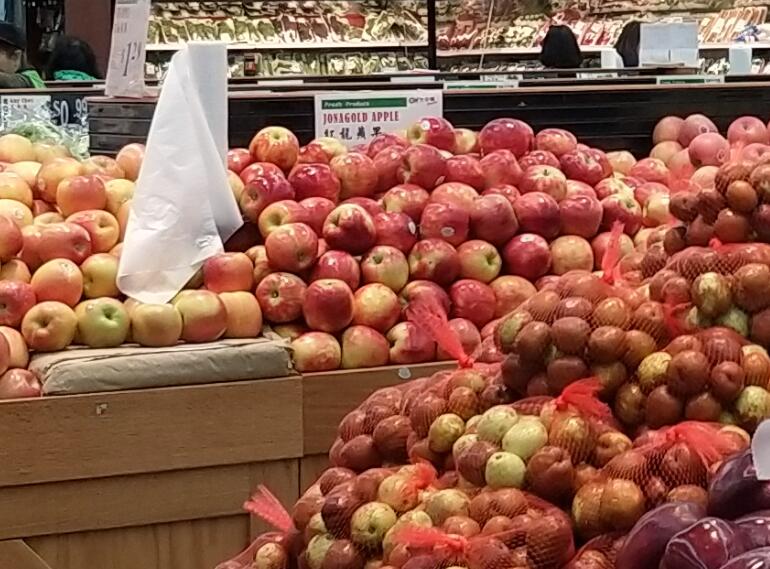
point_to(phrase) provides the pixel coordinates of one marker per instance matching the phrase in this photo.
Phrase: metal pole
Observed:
(432, 59)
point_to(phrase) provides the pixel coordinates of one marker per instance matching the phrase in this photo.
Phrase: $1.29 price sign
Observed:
(125, 73)
(356, 118)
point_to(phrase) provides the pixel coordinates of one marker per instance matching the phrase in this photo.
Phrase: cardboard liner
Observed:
(86, 370)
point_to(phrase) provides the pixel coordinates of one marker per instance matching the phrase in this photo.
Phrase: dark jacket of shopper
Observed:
(14, 73)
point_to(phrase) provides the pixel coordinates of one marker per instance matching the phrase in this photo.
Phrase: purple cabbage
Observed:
(756, 559)
(707, 544)
(735, 490)
(646, 543)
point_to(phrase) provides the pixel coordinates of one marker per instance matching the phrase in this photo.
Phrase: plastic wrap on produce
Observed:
(35, 123)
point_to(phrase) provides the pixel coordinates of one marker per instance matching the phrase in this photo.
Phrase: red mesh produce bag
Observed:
(599, 553)
(499, 529)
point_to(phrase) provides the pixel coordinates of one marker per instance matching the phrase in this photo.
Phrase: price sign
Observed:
(19, 107)
(69, 109)
(125, 73)
(497, 84)
(356, 118)
(690, 79)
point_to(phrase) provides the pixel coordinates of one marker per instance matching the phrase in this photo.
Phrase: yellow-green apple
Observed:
(204, 316)
(118, 192)
(16, 299)
(388, 163)
(511, 193)
(409, 344)
(396, 230)
(386, 265)
(244, 316)
(60, 280)
(5, 354)
(448, 222)
(364, 347)
(436, 131)
(331, 146)
(539, 158)
(290, 331)
(328, 305)
(312, 153)
(155, 325)
(263, 190)
(45, 152)
(493, 219)
(81, 193)
(14, 187)
(19, 353)
(472, 300)
(122, 217)
(455, 193)
(281, 296)
(228, 272)
(100, 272)
(479, 260)
(376, 306)
(280, 213)
(434, 260)
(15, 270)
(466, 141)
(101, 226)
(622, 160)
(423, 166)
(656, 210)
(48, 218)
(130, 159)
(538, 213)
(510, 291)
(316, 212)
(500, 168)
(507, 134)
(11, 239)
(102, 322)
(527, 255)
(17, 211)
(16, 148)
(571, 253)
(292, 247)
(546, 179)
(580, 215)
(424, 291)
(337, 265)
(556, 140)
(49, 326)
(465, 170)
(316, 351)
(350, 228)
(238, 159)
(467, 333)
(276, 145)
(406, 198)
(52, 173)
(236, 185)
(314, 180)
(385, 140)
(103, 166)
(18, 384)
(356, 173)
(258, 257)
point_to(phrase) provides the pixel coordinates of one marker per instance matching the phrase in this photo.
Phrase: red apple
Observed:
(315, 352)
(587, 166)
(363, 347)
(15, 270)
(331, 146)
(469, 336)
(409, 344)
(338, 265)
(228, 272)
(18, 353)
(539, 158)
(479, 260)
(643, 192)
(445, 221)
(281, 296)
(383, 141)
(11, 239)
(455, 193)
(510, 291)
(388, 163)
(693, 126)
(538, 213)
(406, 198)
(328, 305)
(575, 187)
(466, 141)
(435, 131)
(238, 159)
(621, 161)
(602, 241)
(556, 140)
(507, 134)
(624, 209)
(276, 145)
(651, 170)
(261, 191)
(500, 168)
(396, 229)
(610, 186)
(465, 170)
(709, 149)
(376, 306)
(259, 170)
(102, 227)
(204, 316)
(511, 193)
(580, 215)
(386, 265)
(668, 128)
(372, 207)
(704, 177)
(292, 247)
(16, 298)
(493, 218)
(59, 280)
(19, 383)
(130, 159)
(350, 228)
(754, 153)
(312, 153)
(680, 165)
(546, 179)
(422, 166)
(571, 253)
(52, 173)
(434, 260)
(316, 212)
(527, 255)
(356, 173)
(665, 150)
(314, 180)
(424, 291)
(472, 300)
(60, 241)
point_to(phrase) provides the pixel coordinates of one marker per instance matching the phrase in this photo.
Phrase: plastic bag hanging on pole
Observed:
(183, 209)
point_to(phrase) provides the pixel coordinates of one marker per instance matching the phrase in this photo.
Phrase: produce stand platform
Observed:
(156, 478)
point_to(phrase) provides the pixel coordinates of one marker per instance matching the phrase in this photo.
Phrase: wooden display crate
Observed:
(156, 478)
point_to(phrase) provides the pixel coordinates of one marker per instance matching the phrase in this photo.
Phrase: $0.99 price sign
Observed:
(356, 118)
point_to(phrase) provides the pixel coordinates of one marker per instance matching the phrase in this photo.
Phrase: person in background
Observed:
(14, 74)
(560, 49)
(72, 59)
(627, 45)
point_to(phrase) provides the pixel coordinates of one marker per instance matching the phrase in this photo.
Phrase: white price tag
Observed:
(760, 450)
(690, 79)
(471, 84)
(20, 107)
(357, 117)
(125, 73)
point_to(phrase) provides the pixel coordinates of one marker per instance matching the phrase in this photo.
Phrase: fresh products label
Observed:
(356, 118)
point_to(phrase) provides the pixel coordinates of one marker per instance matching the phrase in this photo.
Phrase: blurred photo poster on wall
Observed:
(669, 44)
